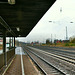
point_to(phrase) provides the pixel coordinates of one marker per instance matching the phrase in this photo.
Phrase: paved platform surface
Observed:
(15, 68)
(22, 65)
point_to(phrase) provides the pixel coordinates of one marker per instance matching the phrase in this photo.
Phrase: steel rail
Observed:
(56, 50)
(66, 55)
(61, 57)
(36, 62)
(62, 69)
(59, 70)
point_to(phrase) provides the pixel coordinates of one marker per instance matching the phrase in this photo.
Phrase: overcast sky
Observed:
(54, 22)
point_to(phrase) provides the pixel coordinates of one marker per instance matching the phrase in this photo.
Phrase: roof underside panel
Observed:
(24, 14)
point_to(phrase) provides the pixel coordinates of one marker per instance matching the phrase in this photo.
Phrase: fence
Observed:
(10, 55)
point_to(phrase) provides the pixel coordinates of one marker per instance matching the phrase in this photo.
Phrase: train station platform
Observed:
(21, 65)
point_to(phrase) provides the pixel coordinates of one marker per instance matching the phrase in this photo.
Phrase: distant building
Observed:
(61, 41)
(66, 41)
(35, 43)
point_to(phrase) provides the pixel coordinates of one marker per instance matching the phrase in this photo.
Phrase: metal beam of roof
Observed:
(6, 26)
(24, 14)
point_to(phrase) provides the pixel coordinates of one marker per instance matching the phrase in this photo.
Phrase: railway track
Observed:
(67, 56)
(46, 67)
(60, 56)
(65, 52)
(64, 66)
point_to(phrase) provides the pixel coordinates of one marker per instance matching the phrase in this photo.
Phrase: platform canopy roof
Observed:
(19, 19)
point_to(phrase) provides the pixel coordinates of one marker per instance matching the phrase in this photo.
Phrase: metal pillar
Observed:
(4, 47)
(14, 45)
(12, 41)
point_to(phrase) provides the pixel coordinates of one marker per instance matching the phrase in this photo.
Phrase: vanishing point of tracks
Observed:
(51, 64)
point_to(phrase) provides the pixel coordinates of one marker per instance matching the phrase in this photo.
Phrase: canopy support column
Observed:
(12, 42)
(4, 47)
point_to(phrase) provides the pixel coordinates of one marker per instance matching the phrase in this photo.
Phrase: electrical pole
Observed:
(51, 38)
(66, 34)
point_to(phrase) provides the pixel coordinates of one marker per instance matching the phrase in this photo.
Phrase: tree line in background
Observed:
(70, 42)
(56, 42)
(72, 39)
